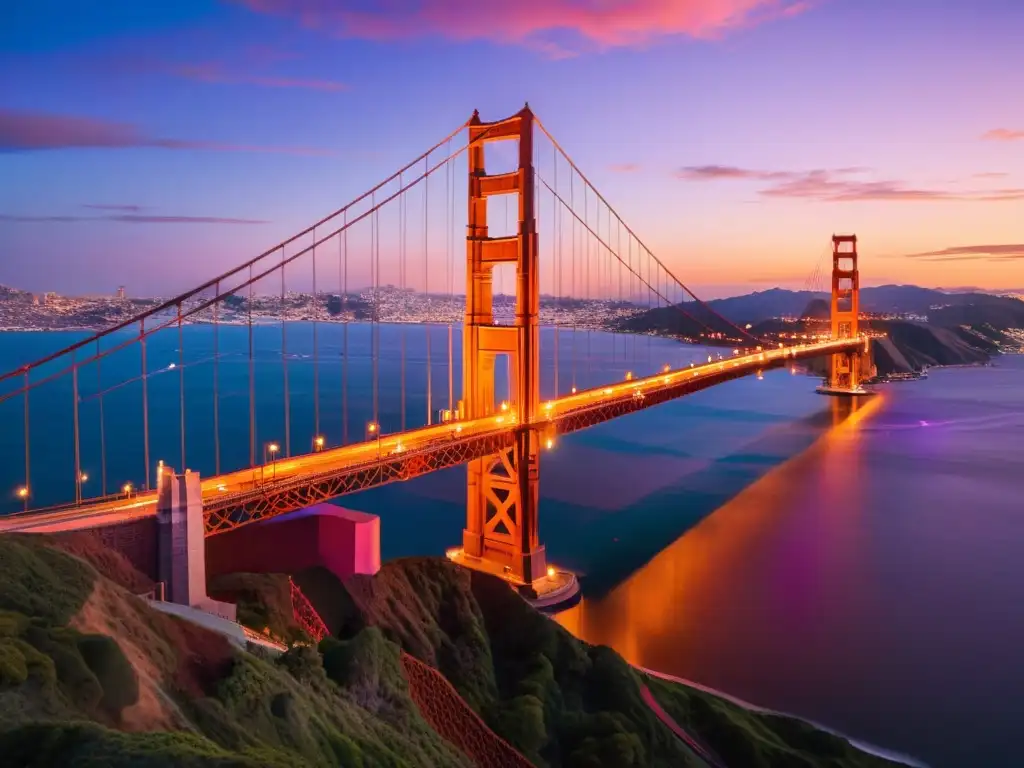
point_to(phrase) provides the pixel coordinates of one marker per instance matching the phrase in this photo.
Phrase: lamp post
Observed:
(318, 443)
(272, 449)
(23, 495)
(127, 490)
(373, 431)
(82, 477)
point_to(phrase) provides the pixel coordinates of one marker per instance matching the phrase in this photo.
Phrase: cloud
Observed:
(27, 131)
(107, 207)
(1005, 252)
(215, 73)
(991, 175)
(837, 186)
(597, 23)
(130, 218)
(624, 167)
(1003, 134)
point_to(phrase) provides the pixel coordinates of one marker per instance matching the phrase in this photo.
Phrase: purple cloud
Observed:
(215, 73)
(107, 207)
(27, 131)
(836, 186)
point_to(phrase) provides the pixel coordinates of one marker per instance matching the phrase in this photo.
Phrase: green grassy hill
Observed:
(91, 675)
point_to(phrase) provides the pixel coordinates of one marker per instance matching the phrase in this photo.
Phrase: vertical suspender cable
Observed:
(572, 288)
(449, 205)
(401, 284)
(78, 448)
(284, 367)
(343, 243)
(252, 382)
(556, 217)
(584, 234)
(28, 451)
(316, 349)
(426, 279)
(181, 385)
(374, 318)
(216, 382)
(145, 401)
(103, 435)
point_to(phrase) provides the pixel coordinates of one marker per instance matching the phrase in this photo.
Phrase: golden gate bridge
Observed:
(564, 237)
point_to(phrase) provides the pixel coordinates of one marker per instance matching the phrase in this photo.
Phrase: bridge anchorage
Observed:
(849, 368)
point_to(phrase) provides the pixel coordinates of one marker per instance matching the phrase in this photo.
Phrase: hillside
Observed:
(91, 675)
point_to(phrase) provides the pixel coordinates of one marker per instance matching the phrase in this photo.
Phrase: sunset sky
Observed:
(156, 143)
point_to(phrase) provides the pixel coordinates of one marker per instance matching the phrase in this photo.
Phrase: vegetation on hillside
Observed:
(558, 700)
(91, 675)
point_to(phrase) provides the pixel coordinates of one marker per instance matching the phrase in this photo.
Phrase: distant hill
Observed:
(941, 308)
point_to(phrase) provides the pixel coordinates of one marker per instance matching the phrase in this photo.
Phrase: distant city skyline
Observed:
(735, 137)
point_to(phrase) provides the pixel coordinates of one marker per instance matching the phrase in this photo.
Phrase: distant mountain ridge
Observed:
(942, 308)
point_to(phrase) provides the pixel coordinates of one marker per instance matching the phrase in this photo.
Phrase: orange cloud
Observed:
(1003, 134)
(836, 186)
(599, 23)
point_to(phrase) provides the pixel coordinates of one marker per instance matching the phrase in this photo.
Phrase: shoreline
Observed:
(863, 746)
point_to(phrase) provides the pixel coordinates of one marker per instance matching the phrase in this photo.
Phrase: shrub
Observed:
(41, 582)
(114, 672)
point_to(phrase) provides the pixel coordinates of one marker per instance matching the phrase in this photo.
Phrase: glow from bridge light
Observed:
(667, 379)
(709, 358)
(273, 448)
(574, 390)
(667, 368)
(735, 351)
(551, 572)
(319, 441)
(458, 428)
(372, 427)
(222, 488)
(549, 443)
(83, 477)
(607, 390)
(629, 375)
(504, 405)
(500, 419)
(126, 488)
(23, 492)
(398, 447)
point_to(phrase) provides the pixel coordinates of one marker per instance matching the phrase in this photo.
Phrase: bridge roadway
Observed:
(291, 483)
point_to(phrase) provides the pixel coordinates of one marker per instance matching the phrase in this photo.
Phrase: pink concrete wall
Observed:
(344, 541)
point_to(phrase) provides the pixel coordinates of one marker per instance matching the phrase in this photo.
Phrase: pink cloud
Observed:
(625, 167)
(836, 186)
(39, 130)
(1003, 134)
(215, 73)
(1004, 252)
(599, 23)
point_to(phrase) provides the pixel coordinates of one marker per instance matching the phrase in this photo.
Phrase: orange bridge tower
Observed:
(502, 498)
(847, 370)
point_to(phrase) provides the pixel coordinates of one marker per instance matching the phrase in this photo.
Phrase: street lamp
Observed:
(272, 449)
(82, 477)
(373, 431)
(23, 495)
(127, 490)
(318, 443)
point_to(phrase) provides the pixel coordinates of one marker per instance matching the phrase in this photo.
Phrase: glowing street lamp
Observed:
(22, 493)
(373, 431)
(271, 449)
(318, 443)
(126, 489)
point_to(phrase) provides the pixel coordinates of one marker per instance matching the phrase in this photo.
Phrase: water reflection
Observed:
(654, 618)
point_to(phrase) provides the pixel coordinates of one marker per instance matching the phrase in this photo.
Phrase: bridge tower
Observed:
(847, 369)
(502, 496)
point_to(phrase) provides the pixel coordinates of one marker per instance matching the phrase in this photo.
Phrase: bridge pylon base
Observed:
(553, 587)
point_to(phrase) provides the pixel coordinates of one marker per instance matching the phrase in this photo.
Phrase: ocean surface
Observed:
(855, 564)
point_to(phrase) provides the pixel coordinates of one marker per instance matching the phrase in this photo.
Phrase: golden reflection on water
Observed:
(677, 611)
